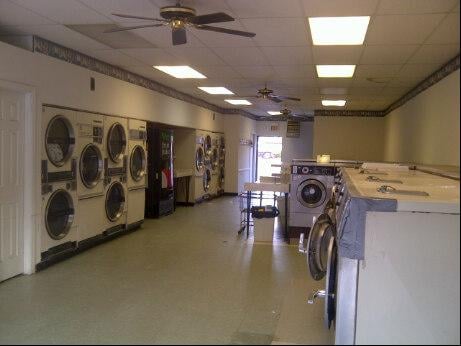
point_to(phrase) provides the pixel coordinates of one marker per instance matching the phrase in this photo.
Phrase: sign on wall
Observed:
(293, 129)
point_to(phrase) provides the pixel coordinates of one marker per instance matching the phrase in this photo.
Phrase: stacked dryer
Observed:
(115, 174)
(222, 162)
(137, 177)
(90, 182)
(214, 164)
(59, 227)
(201, 186)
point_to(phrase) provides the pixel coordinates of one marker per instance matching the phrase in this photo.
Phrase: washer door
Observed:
(138, 163)
(115, 201)
(330, 289)
(317, 246)
(59, 214)
(59, 140)
(311, 193)
(91, 165)
(206, 180)
(116, 142)
(199, 159)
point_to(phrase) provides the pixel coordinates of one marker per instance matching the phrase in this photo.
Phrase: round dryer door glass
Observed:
(317, 246)
(199, 159)
(208, 144)
(91, 165)
(116, 142)
(59, 214)
(60, 140)
(206, 180)
(311, 193)
(138, 163)
(214, 159)
(115, 201)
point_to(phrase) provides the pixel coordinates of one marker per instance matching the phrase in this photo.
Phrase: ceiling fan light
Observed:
(338, 30)
(182, 72)
(216, 90)
(274, 113)
(239, 102)
(335, 71)
(334, 103)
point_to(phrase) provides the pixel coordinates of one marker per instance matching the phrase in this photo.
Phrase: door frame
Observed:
(31, 177)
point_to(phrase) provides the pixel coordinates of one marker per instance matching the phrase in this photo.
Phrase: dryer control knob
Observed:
(305, 170)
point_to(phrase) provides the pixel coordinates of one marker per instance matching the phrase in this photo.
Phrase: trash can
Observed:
(264, 218)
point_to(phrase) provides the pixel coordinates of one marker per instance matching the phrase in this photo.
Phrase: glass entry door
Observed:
(269, 153)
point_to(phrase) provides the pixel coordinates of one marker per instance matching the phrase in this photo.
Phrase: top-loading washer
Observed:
(115, 174)
(137, 172)
(90, 182)
(311, 189)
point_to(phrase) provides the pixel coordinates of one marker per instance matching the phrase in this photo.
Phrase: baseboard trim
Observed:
(230, 194)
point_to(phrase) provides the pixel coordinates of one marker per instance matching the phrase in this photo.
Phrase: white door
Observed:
(11, 184)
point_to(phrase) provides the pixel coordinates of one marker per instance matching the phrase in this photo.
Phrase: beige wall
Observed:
(351, 138)
(426, 129)
(293, 148)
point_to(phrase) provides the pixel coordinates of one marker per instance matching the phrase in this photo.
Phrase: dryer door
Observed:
(214, 159)
(317, 246)
(59, 214)
(138, 163)
(115, 201)
(199, 159)
(116, 142)
(91, 165)
(206, 180)
(59, 140)
(208, 145)
(311, 193)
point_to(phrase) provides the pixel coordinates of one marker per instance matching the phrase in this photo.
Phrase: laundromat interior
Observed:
(244, 172)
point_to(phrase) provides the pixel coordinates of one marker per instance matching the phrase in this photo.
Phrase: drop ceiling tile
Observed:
(334, 82)
(334, 8)
(242, 56)
(334, 91)
(308, 81)
(456, 8)
(256, 72)
(215, 39)
(295, 71)
(387, 54)
(266, 8)
(288, 55)
(64, 12)
(201, 6)
(341, 55)
(417, 71)
(415, 6)
(195, 56)
(217, 72)
(402, 29)
(435, 54)
(447, 32)
(161, 37)
(13, 14)
(278, 31)
(115, 57)
(366, 83)
(151, 56)
(378, 105)
(394, 92)
(137, 8)
(365, 91)
(376, 71)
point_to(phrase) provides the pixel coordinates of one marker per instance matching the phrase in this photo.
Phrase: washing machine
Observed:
(115, 174)
(137, 172)
(90, 181)
(311, 189)
(199, 166)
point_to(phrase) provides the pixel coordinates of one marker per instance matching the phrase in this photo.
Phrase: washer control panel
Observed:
(313, 170)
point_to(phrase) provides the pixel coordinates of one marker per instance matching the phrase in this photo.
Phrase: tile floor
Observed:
(187, 278)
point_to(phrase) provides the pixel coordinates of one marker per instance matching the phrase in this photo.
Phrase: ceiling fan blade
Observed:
(179, 36)
(225, 31)
(217, 17)
(274, 98)
(287, 98)
(133, 27)
(138, 17)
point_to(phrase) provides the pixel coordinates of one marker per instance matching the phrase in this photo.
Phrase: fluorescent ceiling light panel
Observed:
(328, 31)
(181, 72)
(335, 71)
(239, 102)
(335, 103)
(216, 90)
(274, 113)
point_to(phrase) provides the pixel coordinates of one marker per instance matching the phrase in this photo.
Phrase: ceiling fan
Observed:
(179, 18)
(268, 94)
(287, 114)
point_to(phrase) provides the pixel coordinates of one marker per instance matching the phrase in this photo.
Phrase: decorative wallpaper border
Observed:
(69, 55)
(54, 50)
(434, 78)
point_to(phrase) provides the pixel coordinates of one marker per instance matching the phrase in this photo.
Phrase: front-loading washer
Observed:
(59, 234)
(137, 172)
(90, 181)
(311, 189)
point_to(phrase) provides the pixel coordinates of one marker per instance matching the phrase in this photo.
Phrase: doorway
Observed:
(269, 156)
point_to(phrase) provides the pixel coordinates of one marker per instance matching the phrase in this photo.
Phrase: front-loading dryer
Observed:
(90, 181)
(115, 134)
(311, 188)
(59, 234)
(214, 165)
(222, 164)
(199, 165)
(137, 172)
